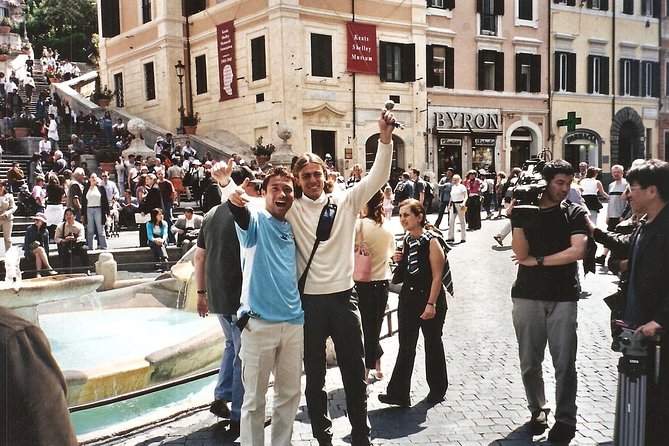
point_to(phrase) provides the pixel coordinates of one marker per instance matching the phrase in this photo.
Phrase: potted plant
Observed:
(104, 97)
(190, 123)
(54, 76)
(4, 52)
(106, 159)
(22, 127)
(6, 25)
(263, 152)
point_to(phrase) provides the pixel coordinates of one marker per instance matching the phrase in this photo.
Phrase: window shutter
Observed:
(556, 72)
(604, 5)
(656, 9)
(604, 70)
(628, 7)
(571, 2)
(479, 6)
(535, 73)
(111, 23)
(449, 4)
(644, 67)
(634, 90)
(621, 77)
(589, 4)
(520, 58)
(450, 67)
(408, 62)
(431, 77)
(499, 71)
(571, 72)
(656, 79)
(591, 66)
(481, 83)
(499, 7)
(383, 69)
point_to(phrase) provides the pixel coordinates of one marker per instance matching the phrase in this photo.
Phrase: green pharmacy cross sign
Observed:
(570, 122)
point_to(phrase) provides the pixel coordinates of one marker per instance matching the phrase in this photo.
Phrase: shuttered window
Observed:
(201, 74)
(598, 74)
(111, 20)
(565, 71)
(490, 70)
(397, 62)
(321, 55)
(149, 81)
(258, 63)
(528, 72)
(440, 64)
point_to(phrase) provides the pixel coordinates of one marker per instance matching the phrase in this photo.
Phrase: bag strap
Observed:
(303, 277)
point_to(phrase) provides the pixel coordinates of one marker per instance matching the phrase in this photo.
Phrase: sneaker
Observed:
(220, 409)
(561, 432)
(388, 399)
(600, 260)
(498, 239)
(539, 422)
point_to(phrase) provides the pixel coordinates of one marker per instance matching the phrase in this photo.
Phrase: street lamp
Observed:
(181, 71)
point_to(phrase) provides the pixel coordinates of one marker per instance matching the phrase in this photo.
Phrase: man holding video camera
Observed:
(549, 237)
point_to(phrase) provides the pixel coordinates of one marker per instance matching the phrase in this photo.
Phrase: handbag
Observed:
(362, 260)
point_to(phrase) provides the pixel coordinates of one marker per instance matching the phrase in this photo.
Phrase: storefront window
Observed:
(484, 158)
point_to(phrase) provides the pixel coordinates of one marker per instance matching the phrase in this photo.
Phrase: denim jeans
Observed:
(335, 315)
(95, 225)
(229, 386)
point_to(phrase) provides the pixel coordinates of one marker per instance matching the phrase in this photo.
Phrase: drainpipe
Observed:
(353, 89)
(551, 137)
(613, 67)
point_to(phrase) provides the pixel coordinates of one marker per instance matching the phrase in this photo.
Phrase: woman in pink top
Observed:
(473, 215)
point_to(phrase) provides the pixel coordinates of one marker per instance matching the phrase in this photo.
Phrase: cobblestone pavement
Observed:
(485, 403)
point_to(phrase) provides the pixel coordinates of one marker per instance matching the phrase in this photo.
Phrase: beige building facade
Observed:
(479, 84)
(605, 77)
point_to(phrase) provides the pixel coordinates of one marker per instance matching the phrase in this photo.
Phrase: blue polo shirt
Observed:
(269, 287)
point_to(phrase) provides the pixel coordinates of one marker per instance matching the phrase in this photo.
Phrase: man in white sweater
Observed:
(329, 300)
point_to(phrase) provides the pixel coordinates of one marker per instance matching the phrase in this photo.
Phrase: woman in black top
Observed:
(422, 305)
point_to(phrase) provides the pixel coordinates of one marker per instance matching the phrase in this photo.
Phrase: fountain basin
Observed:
(127, 349)
(25, 296)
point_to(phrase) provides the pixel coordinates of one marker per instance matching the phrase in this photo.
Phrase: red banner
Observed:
(361, 48)
(225, 36)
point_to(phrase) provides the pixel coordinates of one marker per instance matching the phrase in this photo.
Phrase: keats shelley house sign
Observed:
(361, 48)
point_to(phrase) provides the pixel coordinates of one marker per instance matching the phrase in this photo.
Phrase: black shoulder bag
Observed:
(325, 222)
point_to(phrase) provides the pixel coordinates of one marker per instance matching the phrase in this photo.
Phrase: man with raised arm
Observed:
(329, 300)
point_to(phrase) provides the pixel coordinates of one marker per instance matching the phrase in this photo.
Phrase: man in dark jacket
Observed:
(218, 277)
(647, 303)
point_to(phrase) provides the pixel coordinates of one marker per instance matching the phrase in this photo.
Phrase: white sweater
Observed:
(331, 270)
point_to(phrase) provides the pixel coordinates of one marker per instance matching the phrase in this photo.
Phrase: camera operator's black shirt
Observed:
(549, 231)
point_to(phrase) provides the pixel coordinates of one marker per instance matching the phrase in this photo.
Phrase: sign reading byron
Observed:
(361, 48)
(448, 119)
(225, 36)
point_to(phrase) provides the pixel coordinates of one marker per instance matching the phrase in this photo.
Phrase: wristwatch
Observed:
(540, 260)
(433, 304)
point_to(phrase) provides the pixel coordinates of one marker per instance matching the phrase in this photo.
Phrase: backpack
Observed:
(400, 192)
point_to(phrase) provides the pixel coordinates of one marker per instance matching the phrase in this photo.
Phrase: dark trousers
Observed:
(473, 214)
(335, 315)
(487, 202)
(372, 300)
(67, 250)
(411, 306)
(443, 207)
(657, 402)
(159, 252)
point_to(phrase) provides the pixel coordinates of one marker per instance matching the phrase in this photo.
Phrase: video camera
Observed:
(530, 185)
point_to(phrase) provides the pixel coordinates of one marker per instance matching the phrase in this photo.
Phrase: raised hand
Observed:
(221, 172)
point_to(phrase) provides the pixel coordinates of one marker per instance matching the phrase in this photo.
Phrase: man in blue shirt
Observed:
(272, 337)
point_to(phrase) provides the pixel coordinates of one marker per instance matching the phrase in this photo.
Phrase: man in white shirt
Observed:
(110, 187)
